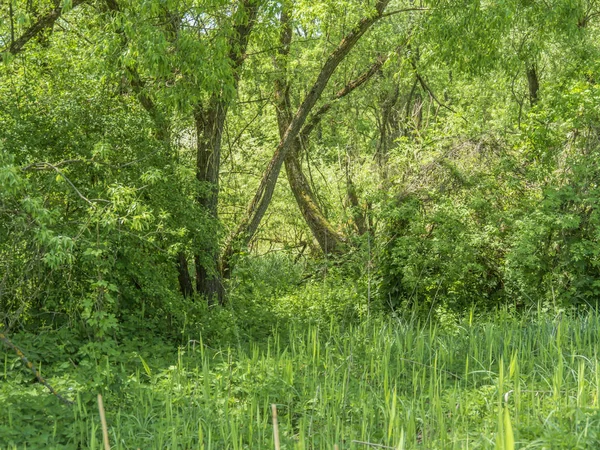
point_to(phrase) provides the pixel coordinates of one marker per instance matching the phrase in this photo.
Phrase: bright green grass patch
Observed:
(479, 384)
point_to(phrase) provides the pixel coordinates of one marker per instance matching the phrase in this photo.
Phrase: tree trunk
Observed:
(259, 204)
(534, 84)
(208, 282)
(383, 146)
(358, 214)
(209, 122)
(329, 240)
(209, 131)
(185, 282)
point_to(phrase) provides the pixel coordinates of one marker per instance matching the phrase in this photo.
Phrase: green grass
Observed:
(385, 382)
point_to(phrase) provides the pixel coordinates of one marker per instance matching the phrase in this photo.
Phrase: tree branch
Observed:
(398, 11)
(44, 22)
(430, 92)
(352, 85)
(161, 124)
(42, 165)
(260, 203)
(33, 369)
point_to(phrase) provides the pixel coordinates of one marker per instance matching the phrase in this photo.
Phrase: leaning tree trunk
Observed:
(329, 240)
(260, 202)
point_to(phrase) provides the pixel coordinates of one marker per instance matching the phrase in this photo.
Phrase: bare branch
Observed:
(41, 165)
(432, 94)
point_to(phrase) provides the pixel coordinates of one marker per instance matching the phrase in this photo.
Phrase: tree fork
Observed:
(258, 205)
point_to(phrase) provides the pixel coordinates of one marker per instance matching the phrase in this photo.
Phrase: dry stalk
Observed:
(275, 427)
(103, 421)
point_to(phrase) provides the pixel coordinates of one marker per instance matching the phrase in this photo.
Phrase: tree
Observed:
(209, 119)
(206, 98)
(330, 241)
(259, 204)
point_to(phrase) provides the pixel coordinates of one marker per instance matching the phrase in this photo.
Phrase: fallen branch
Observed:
(32, 368)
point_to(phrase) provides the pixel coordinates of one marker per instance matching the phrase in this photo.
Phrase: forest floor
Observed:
(503, 382)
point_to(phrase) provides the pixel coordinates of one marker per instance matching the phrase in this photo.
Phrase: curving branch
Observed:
(352, 85)
(44, 22)
(261, 200)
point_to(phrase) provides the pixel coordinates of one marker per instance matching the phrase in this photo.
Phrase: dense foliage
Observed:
(216, 170)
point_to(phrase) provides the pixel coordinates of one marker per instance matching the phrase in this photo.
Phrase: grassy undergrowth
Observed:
(385, 382)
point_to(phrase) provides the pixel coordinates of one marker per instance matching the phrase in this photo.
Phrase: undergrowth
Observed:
(391, 382)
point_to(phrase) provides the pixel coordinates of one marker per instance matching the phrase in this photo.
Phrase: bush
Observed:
(486, 241)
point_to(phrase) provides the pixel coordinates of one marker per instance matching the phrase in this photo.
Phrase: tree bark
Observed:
(329, 240)
(209, 131)
(209, 121)
(358, 213)
(185, 282)
(383, 146)
(534, 84)
(260, 202)
(44, 22)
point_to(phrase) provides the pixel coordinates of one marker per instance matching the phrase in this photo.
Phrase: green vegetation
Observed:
(381, 216)
(390, 382)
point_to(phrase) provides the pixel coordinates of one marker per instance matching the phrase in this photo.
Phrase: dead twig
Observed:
(41, 165)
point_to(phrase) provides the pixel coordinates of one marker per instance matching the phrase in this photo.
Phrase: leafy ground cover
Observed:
(388, 382)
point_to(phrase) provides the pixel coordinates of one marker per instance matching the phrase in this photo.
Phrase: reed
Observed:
(502, 382)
